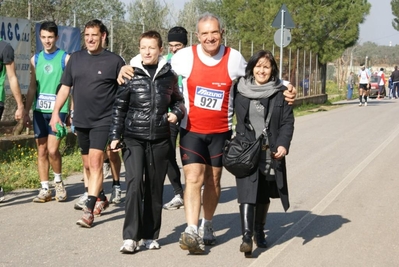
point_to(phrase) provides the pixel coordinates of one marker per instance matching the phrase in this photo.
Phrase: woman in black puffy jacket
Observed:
(143, 109)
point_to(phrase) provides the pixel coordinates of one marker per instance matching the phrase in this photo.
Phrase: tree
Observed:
(395, 12)
(193, 9)
(143, 16)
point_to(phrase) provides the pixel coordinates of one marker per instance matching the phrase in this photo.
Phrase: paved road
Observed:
(343, 183)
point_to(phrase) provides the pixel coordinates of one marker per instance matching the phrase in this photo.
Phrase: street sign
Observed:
(288, 22)
(286, 37)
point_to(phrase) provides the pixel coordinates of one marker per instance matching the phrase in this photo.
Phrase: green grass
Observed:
(18, 168)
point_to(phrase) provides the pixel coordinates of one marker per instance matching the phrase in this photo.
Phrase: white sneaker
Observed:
(365, 104)
(150, 244)
(1, 194)
(81, 203)
(360, 104)
(106, 169)
(207, 234)
(129, 246)
(116, 194)
(176, 203)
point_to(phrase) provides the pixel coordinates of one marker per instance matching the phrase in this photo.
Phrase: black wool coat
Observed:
(279, 133)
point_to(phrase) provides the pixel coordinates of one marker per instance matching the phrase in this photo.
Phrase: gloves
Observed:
(61, 131)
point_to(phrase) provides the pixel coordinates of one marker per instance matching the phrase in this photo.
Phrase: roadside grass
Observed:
(18, 167)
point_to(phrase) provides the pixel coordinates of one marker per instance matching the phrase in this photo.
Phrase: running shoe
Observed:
(207, 234)
(60, 191)
(87, 218)
(106, 169)
(129, 246)
(191, 241)
(116, 194)
(81, 203)
(43, 196)
(176, 203)
(1, 194)
(150, 244)
(100, 207)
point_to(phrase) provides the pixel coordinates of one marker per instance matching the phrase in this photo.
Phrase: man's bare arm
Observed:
(15, 89)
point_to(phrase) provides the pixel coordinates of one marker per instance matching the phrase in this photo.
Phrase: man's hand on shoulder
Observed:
(125, 72)
(290, 94)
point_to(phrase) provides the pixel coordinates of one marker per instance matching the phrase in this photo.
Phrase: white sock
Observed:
(205, 221)
(194, 227)
(44, 185)
(57, 177)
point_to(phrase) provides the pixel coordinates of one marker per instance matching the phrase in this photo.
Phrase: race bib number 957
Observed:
(208, 98)
(45, 102)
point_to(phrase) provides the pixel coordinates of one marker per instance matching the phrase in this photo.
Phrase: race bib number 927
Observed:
(208, 98)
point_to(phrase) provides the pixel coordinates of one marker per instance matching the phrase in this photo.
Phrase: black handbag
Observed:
(241, 157)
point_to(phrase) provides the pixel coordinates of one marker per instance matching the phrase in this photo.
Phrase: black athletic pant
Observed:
(146, 165)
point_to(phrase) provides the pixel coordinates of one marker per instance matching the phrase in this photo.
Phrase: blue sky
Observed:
(377, 28)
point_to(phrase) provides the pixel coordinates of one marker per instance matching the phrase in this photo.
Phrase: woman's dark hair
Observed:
(249, 70)
(152, 35)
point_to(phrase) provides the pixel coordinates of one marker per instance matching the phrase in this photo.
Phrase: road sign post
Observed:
(282, 20)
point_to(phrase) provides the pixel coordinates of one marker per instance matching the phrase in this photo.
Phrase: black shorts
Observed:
(92, 138)
(364, 86)
(202, 148)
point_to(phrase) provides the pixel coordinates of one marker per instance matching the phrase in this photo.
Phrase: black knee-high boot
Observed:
(260, 220)
(247, 213)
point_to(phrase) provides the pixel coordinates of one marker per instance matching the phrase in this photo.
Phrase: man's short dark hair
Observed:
(95, 23)
(49, 26)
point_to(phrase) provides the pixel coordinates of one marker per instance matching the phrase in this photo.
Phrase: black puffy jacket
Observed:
(141, 105)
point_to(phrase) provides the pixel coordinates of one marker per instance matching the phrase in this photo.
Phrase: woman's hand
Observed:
(281, 152)
(114, 146)
(172, 118)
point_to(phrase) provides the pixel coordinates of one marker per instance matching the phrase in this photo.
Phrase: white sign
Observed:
(286, 37)
(17, 32)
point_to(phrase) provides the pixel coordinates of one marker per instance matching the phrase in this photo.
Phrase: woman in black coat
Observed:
(258, 93)
(143, 109)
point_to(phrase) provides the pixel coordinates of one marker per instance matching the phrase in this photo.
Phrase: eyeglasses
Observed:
(177, 46)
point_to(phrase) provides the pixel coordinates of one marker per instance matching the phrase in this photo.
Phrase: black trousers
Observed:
(146, 165)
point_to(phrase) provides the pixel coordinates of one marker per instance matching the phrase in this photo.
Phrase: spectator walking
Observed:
(259, 95)
(141, 120)
(350, 85)
(92, 72)
(395, 82)
(304, 84)
(46, 68)
(381, 83)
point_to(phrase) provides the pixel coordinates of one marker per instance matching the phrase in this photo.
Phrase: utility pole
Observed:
(29, 9)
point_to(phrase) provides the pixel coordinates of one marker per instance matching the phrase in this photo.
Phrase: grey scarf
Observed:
(249, 89)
